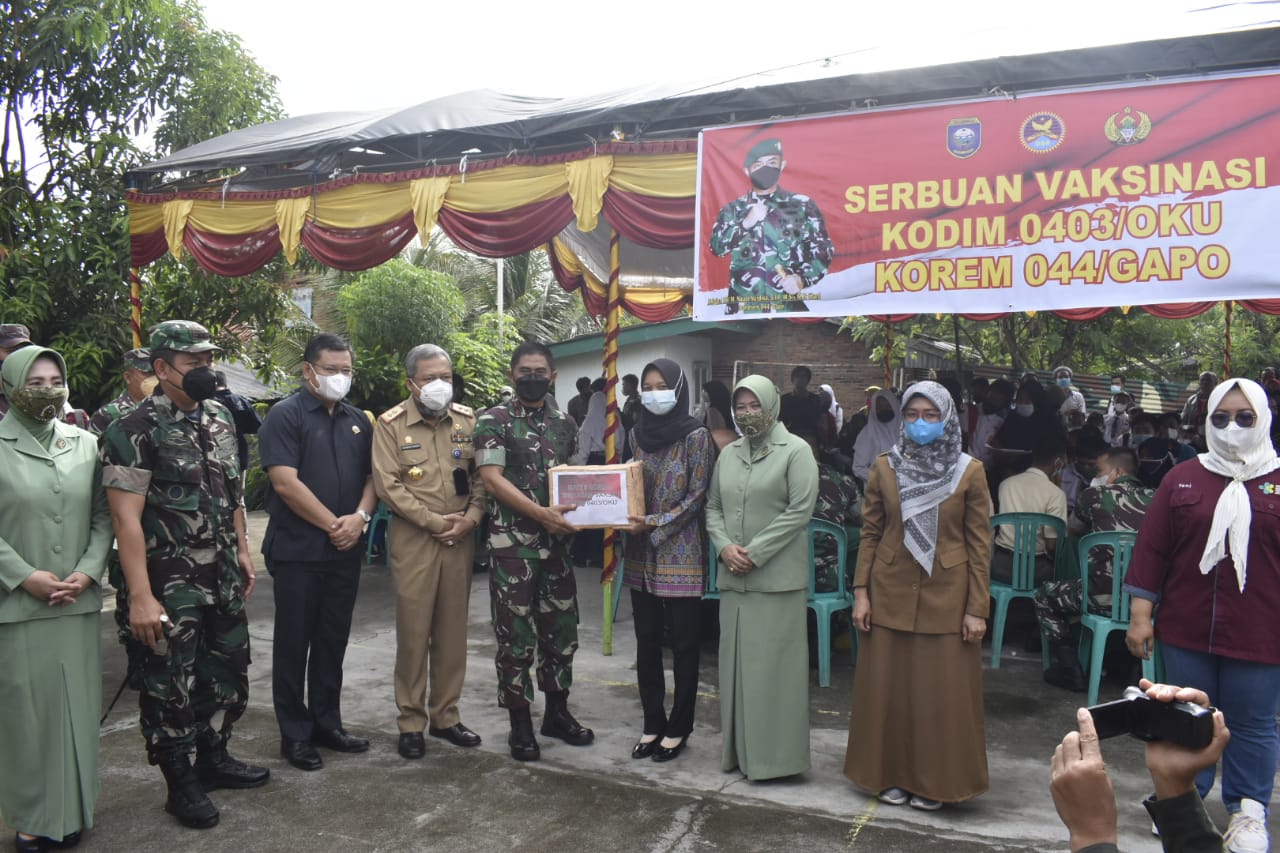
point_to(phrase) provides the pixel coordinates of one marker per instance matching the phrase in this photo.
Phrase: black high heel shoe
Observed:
(667, 753)
(35, 845)
(644, 750)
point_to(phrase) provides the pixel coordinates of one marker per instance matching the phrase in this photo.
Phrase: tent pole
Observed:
(611, 455)
(888, 354)
(135, 306)
(1226, 341)
(502, 295)
(955, 329)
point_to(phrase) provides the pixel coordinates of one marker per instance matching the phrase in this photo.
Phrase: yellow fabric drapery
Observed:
(428, 196)
(175, 222)
(588, 180)
(291, 213)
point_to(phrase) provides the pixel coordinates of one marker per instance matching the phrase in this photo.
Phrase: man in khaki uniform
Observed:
(424, 470)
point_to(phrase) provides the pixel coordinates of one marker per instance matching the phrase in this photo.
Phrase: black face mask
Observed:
(765, 177)
(532, 388)
(884, 416)
(198, 383)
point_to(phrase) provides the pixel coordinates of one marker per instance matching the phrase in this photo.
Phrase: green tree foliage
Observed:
(78, 83)
(482, 355)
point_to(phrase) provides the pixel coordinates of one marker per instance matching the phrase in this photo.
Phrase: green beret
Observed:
(763, 148)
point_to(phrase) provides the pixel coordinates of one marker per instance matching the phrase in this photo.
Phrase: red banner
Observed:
(1131, 195)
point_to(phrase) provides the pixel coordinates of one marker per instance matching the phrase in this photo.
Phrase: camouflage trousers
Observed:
(535, 611)
(133, 649)
(199, 687)
(1058, 606)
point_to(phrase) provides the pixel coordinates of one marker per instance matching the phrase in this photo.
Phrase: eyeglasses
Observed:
(1245, 419)
(332, 371)
(930, 416)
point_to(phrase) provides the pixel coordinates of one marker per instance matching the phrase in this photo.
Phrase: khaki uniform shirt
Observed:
(424, 470)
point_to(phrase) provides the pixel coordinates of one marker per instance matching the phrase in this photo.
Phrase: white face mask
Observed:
(436, 395)
(332, 388)
(1172, 433)
(1099, 482)
(658, 402)
(1025, 409)
(1233, 440)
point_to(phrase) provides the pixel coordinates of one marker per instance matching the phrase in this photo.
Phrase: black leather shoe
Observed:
(30, 845)
(644, 750)
(301, 754)
(666, 753)
(412, 745)
(457, 734)
(339, 740)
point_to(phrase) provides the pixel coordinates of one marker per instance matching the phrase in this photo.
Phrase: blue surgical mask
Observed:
(1064, 381)
(1116, 389)
(1138, 439)
(922, 432)
(658, 402)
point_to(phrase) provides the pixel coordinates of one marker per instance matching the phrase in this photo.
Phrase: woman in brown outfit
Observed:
(920, 599)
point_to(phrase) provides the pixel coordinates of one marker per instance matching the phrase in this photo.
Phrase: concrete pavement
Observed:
(586, 798)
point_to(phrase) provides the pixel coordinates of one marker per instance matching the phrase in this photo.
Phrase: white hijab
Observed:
(591, 433)
(1240, 454)
(834, 409)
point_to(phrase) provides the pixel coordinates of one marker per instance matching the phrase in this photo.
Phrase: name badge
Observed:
(414, 446)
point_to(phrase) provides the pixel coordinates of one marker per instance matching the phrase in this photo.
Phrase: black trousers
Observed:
(313, 619)
(649, 612)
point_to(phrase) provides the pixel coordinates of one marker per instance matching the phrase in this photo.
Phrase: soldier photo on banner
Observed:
(777, 240)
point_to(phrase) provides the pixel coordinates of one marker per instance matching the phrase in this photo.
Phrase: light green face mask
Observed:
(39, 404)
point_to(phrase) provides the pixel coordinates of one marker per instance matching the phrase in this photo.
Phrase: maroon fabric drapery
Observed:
(231, 255)
(360, 248)
(145, 248)
(510, 232)
(656, 223)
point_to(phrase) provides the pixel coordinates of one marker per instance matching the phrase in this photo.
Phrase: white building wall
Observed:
(691, 352)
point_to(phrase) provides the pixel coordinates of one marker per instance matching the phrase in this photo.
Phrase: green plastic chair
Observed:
(1097, 627)
(709, 591)
(1026, 526)
(380, 522)
(826, 604)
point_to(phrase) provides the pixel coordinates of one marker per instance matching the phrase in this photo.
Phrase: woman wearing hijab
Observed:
(882, 432)
(665, 565)
(761, 498)
(835, 409)
(591, 433)
(920, 600)
(55, 532)
(1207, 561)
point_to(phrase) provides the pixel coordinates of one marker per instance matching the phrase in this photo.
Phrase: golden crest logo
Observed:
(1042, 132)
(964, 137)
(1127, 127)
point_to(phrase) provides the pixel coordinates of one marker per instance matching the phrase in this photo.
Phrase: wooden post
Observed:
(611, 327)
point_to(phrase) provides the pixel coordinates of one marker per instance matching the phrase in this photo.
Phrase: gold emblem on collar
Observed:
(355, 430)
(416, 473)
(62, 442)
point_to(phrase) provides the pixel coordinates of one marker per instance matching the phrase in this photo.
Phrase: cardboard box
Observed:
(604, 494)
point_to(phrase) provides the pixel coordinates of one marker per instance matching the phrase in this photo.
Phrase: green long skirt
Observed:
(764, 683)
(50, 699)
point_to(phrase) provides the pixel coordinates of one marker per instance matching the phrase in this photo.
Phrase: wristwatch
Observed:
(364, 515)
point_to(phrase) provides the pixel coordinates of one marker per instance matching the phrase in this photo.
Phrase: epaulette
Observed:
(462, 410)
(392, 413)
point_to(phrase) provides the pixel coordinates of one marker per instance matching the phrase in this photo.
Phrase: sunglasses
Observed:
(1245, 419)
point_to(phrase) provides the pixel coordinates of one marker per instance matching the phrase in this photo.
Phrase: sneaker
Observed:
(1247, 832)
(894, 796)
(924, 804)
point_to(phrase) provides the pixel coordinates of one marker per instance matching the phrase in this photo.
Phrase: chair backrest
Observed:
(1026, 528)
(818, 527)
(1120, 542)
(713, 561)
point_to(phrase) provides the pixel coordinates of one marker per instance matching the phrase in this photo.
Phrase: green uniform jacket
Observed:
(764, 504)
(53, 516)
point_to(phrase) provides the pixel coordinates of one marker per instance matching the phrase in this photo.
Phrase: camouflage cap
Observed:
(13, 334)
(182, 336)
(139, 359)
(763, 148)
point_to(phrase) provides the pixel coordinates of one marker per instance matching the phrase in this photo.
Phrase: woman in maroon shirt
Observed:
(1208, 562)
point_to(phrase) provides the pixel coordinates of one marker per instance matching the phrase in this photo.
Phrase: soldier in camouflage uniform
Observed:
(839, 502)
(173, 481)
(1115, 500)
(139, 381)
(778, 240)
(531, 582)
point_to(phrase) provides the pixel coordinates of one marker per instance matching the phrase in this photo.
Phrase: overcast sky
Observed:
(388, 53)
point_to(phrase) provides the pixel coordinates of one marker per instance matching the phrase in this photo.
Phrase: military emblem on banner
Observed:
(1127, 127)
(964, 137)
(1042, 132)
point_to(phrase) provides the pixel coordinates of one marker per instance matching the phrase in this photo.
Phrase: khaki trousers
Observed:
(433, 587)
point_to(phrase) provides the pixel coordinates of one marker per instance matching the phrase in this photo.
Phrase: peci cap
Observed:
(139, 359)
(14, 334)
(182, 336)
(763, 148)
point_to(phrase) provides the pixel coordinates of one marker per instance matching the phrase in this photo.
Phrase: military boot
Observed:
(524, 746)
(559, 723)
(1064, 668)
(215, 768)
(187, 800)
